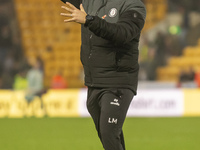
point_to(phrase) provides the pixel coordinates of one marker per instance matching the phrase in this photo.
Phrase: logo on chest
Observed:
(112, 12)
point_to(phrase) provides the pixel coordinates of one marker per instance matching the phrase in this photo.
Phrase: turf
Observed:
(79, 134)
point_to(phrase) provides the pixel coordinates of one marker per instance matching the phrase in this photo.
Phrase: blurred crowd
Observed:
(11, 56)
(155, 52)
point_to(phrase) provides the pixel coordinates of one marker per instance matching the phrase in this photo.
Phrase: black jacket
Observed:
(109, 50)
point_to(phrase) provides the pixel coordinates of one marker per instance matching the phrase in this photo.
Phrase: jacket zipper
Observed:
(89, 59)
(91, 44)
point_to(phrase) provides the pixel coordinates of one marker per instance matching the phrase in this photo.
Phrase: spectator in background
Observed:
(191, 74)
(197, 78)
(9, 62)
(144, 58)
(41, 64)
(35, 82)
(1, 73)
(20, 81)
(8, 71)
(183, 76)
(58, 81)
(9, 49)
(1, 82)
(186, 78)
(187, 75)
(160, 55)
(5, 34)
(9, 32)
(157, 55)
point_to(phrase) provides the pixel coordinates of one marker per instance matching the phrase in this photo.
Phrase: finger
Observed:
(66, 8)
(67, 15)
(81, 8)
(71, 6)
(69, 20)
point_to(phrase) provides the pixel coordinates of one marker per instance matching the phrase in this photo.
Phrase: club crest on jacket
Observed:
(113, 12)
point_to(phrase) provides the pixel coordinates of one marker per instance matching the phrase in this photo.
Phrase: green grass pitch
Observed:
(80, 134)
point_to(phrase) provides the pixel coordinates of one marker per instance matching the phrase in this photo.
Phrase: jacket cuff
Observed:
(88, 21)
(95, 23)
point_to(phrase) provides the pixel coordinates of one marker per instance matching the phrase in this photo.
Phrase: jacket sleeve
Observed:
(129, 25)
(76, 3)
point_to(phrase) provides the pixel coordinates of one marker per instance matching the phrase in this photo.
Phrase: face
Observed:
(36, 65)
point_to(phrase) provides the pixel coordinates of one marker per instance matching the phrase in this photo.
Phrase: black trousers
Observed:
(108, 108)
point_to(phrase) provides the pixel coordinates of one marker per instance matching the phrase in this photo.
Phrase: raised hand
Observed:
(76, 15)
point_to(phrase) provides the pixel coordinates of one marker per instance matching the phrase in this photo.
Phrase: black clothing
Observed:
(109, 54)
(108, 108)
(109, 50)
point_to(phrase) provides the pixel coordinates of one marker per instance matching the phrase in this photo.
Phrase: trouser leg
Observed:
(108, 109)
(94, 107)
(113, 114)
(122, 140)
